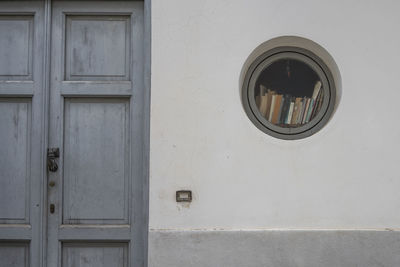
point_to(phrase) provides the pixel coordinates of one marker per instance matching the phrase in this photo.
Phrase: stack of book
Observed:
(286, 110)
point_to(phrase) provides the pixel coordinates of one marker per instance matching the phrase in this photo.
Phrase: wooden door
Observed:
(71, 77)
(96, 121)
(22, 133)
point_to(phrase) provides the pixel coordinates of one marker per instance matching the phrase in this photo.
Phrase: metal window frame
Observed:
(314, 62)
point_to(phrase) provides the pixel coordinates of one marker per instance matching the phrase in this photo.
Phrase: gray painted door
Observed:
(95, 119)
(22, 138)
(89, 104)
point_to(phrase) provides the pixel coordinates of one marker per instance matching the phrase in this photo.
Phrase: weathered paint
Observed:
(91, 90)
(98, 125)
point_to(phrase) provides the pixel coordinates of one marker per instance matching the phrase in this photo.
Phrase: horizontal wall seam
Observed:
(276, 230)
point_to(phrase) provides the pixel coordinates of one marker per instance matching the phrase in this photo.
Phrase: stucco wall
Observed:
(345, 176)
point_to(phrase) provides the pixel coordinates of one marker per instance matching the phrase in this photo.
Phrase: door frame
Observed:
(141, 227)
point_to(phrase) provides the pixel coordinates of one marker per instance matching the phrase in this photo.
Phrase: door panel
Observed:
(14, 254)
(14, 160)
(16, 42)
(97, 47)
(94, 254)
(22, 133)
(94, 118)
(96, 161)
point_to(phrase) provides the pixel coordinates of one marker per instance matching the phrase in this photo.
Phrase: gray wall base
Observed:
(284, 248)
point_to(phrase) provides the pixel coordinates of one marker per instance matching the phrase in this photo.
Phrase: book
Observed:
(285, 109)
(320, 101)
(317, 88)
(279, 120)
(263, 105)
(303, 107)
(269, 100)
(262, 92)
(306, 110)
(290, 113)
(277, 109)
(296, 110)
(317, 105)
(309, 110)
(271, 110)
(316, 97)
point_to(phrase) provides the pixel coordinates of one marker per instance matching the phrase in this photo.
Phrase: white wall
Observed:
(345, 176)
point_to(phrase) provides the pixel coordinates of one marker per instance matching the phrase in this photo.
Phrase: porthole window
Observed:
(289, 92)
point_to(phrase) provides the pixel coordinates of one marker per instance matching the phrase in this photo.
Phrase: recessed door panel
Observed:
(14, 160)
(97, 47)
(16, 47)
(14, 254)
(96, 151)
(94, 255)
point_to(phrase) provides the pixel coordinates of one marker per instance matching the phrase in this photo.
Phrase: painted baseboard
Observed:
(275, 248)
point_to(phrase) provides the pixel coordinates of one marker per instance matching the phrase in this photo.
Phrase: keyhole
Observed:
(52, 208)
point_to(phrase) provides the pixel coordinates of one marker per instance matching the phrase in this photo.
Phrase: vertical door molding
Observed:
(22, 120)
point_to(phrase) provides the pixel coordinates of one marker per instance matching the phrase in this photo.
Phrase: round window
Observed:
(289, 93)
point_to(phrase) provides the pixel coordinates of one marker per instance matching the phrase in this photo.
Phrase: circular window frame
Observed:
(316, 64)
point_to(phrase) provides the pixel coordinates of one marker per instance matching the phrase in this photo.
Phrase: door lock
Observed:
(52, 208)
(52, 154)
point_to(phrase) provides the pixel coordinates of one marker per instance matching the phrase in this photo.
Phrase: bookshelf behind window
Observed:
(288, 93)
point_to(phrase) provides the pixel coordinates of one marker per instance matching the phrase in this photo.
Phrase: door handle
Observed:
(52, 165)
(52, 154)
